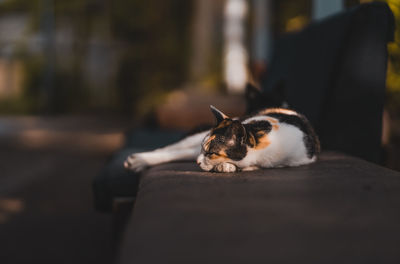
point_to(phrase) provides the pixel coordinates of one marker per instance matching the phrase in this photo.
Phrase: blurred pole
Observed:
(48, 23)
(262, 37)
(235, 53)
(203, 27)
(324, 8)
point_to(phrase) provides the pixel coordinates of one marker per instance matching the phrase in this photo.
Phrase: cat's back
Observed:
(288, 129)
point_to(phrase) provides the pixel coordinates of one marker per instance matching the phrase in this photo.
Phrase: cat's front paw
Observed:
(225, 167)
(135, 163)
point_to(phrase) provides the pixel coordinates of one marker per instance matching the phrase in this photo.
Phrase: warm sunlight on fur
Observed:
(275, 137)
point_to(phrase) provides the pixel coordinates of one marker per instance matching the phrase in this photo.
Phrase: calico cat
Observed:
(272, 137)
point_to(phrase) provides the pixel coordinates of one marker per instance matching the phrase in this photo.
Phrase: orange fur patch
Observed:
(224, 123)
(222, 153)
(221, 156)
(206, 145)
(272, 120)
(210, 139)
(263, 142)
(278, 110)
(252, 140)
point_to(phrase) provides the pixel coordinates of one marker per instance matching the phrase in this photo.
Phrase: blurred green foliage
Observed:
(147, 43)
(292, 15)
(393, 80)
(158, 58)
(393, 70)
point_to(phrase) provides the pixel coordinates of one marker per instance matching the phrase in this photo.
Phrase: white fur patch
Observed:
(186, 149)
(286, 148)
(225, 167)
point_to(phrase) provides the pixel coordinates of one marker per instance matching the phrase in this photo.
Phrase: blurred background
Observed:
(76, 75)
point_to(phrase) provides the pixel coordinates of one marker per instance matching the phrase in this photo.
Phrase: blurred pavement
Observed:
(46, 205)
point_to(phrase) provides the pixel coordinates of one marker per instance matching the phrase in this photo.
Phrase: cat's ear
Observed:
(252, 92)
(219, 116)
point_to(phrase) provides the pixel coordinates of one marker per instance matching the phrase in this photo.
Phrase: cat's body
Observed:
(273, 137)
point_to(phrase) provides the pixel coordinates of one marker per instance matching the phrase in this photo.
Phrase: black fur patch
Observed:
(236, 153)
(256, 126)
(253, 129)
(310, 139)
(233, 129)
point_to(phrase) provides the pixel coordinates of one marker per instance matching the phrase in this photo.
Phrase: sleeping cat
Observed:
(272, 137)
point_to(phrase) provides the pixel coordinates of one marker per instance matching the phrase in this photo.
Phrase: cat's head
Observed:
(226, 142)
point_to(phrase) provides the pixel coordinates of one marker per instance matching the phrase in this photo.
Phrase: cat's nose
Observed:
(199, 159)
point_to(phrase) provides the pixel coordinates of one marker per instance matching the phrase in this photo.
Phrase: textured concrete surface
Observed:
(338, 210)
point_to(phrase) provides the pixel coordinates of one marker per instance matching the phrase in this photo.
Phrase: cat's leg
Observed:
(186, 149)
(140, 161)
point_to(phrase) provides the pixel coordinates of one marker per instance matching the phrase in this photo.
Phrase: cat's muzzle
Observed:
(203, 163)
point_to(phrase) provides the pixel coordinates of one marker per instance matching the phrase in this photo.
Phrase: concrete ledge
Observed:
(338, 210)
